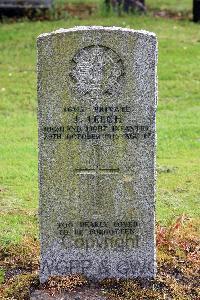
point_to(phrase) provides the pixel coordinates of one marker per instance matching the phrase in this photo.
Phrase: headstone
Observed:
(97, 93)
(25, 4)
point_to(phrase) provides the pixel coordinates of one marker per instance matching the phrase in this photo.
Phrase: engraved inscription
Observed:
(90, 234)
(97, 71)
(102, 123)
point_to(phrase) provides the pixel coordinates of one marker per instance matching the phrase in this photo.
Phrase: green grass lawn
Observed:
(177, 119)
(174, 5)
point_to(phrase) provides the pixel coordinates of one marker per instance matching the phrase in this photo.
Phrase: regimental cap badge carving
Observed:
(97, 71)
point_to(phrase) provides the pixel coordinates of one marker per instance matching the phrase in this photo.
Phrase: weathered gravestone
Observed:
(97, 95)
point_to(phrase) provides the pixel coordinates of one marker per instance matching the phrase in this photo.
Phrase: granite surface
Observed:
(81, 294)
(97, 99)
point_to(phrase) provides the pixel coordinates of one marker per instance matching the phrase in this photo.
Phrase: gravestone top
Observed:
(99, 28)
(97, 95)
(13, 4)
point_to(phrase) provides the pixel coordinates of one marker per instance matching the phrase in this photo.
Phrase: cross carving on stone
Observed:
(97, 172)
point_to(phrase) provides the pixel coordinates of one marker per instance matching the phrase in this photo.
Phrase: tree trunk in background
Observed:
(196, 10)
(126, 5)
(107, 4)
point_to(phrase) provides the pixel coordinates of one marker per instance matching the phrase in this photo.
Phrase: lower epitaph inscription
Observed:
(97, 104)
(99, 234)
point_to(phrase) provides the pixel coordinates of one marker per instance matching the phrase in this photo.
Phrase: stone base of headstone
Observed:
(82, 294)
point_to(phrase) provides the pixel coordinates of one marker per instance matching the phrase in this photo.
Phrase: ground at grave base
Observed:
(177, 278)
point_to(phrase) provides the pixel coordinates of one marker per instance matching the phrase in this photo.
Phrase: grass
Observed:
(177, 119)
(177, 277)
(177, 5)
(177, 155)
